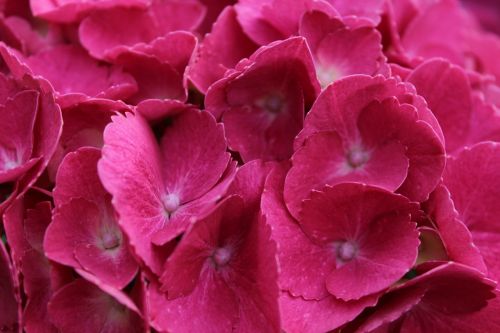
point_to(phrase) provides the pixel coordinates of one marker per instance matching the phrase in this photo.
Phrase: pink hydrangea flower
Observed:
(386, 138)
(173, 180)
(103, 31)
(449, 297)
(30, 139)
(84, 232)
(470, 178)
(263, 100)
(249, 166)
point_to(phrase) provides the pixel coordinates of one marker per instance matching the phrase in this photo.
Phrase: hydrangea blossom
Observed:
(244, 166)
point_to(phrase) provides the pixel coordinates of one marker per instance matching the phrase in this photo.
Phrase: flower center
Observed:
(357, 157)
(110, 241)
(272, 103)
(9, 160)
(345, 251)
(171, 203)
(221, 256)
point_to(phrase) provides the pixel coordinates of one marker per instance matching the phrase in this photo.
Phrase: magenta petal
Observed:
(485, 121)
(16, 140)
(300, 315)
(38, 287)
(428, 34)
(446, 89)
(423, 147)
(35, 224)
(14, 173)
(209, 64)
(448, 296)
(349, 96)
(471, 178)
(47, 127)
(130, 170)
(456, 237)
(338, 50)
(20, 113)
(249, 181)
(71, 70)
(102, 312)
(296, 253)
(115, 266)
(73, 10)
(25, 229)
(105, 30)
(193, 140)
(158, 67)
(98, 35)
(73, 223)
(190, 144)
(214, 304)
(369, 9)
(262, 29)
(77, 178)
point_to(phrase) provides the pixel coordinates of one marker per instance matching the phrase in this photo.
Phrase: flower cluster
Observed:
(249, 166)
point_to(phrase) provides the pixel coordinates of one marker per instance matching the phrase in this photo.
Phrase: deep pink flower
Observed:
(305, 303)
(369, 10)
(349, 220)
(262, 101)
(210, 64)
(158, 187)
(102, 309)
(103, 31)
(428, 35)
(471, 178)
(339, 50)
(28, 37)
(29, 141)
(270, 20)
(71, 71)
(453, 233)
(369, 130)
(25, 223)
(84, 232)
(65, 11)
(84, 125)
(249, 166)
(222, 275)
(464, 118)
(158, 67)
(448, 298)
(260, 22)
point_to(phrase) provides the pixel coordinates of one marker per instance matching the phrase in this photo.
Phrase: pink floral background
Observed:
(250, 166)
